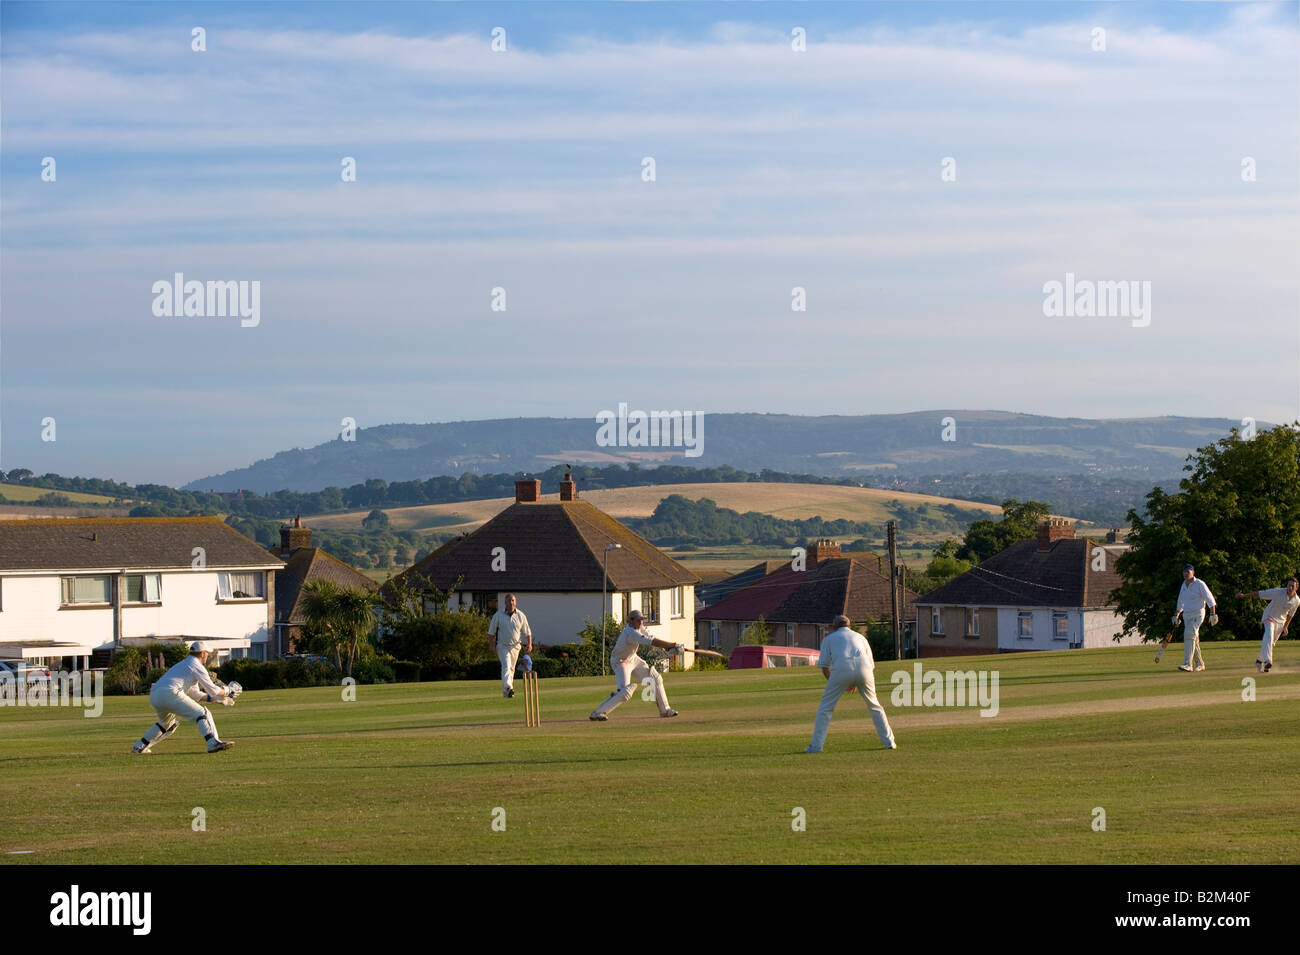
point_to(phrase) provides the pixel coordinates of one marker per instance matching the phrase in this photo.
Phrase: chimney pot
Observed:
(1052, 530)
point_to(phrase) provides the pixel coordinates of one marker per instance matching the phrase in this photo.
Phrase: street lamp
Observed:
(604, 584)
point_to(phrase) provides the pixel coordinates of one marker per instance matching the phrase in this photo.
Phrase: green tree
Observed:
(444, 642)
(343, 616)
(757, 633)
(1236, 517)
(986, 538)
(376, 520)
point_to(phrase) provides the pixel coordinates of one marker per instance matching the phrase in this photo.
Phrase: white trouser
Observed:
(836, 686)
(169, 702)
(1272, 630)
(508, 655)
(629, 674)
(1192, 620)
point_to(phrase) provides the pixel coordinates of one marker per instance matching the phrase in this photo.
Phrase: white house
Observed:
(69, 587)
(1052, 592)
(551, 556)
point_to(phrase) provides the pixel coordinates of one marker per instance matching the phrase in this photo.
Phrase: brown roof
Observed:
(1024, 576)
(550, 547)
(135, 543)
(302, 567)
(841, 585)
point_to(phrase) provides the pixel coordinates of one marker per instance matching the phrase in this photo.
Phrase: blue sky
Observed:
(522, 170)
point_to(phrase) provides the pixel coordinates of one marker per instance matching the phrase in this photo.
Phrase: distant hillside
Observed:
(874, 448)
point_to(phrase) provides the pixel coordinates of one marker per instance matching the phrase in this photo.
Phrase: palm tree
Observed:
(342, 615)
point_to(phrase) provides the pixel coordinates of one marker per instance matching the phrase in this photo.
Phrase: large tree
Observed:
(1236, 517)
(344, 616)
(1020, 519)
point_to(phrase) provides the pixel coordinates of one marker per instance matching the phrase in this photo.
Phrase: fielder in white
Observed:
(1282, 605)
(177, 693)
(1194, 598)
(509, 629)
(847, 664)
(629, 669)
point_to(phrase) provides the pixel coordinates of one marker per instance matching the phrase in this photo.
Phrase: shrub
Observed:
(405, 671)
(546, 668)
(709, 663)
(373, 670)
(574, 659)
(485, 670)
(123, 677)
(445, 644)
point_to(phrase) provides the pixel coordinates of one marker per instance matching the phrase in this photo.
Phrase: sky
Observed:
(922, 171)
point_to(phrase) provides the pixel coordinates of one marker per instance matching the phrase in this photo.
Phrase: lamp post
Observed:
(604, 585)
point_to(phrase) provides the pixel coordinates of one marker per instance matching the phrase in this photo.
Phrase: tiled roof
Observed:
(551, 547)
(134, 543)
(1024, 576)
(841, 585)
(716, 591)
(303, 566)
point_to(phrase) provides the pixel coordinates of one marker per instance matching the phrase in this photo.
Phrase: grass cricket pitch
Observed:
(1186, 771)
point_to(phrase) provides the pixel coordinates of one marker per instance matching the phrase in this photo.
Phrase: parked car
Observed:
(22, 670)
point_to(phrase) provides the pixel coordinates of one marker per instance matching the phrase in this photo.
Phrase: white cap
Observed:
(199, 645)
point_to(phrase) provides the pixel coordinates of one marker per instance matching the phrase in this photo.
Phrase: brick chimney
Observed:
(822, 550)
(294, 536)
(1052, 530)
(528, 491)
(568, 489)
(1116, 535)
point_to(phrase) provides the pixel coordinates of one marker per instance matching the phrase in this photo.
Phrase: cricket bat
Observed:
(1164, 643)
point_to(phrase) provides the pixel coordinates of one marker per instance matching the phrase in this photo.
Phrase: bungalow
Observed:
(1052, 592)
(800, 606)
(72, 586)
(551, 555)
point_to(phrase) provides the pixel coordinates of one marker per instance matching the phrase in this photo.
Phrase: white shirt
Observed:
(846, 649)
(627, 642)
(1194, 595)
(1279, 608)
(509, 627)
(185, 675)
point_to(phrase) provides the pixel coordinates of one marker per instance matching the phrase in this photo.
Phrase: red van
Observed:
(749, 658)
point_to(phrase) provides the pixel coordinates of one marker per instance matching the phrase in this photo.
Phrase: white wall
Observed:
(29, 611)
(1100, 626)
(558, 617)
(1092, 628)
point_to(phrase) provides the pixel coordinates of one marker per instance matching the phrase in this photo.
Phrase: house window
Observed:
(678, 602)
(1061, 625)
(972, 623)
(936, 621)
(789, 635)
(715, 634)
(242, 586)
(85, 590)
(484, 601)
(1025, 625)
(143, 589)
(650, 605)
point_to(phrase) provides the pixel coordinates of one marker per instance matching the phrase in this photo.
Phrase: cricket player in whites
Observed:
(177, 694)
(1282, 605)
(508, 630)
(848, 665)
(630, 669)
(1193, 599)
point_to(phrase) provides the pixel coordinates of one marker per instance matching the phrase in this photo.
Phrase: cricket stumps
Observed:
(532, 699)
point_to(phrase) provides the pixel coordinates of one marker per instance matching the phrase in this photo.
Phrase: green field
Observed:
(1186, 771)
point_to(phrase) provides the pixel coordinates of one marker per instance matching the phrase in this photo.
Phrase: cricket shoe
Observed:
(1267, 667)
(1259, 666)
(510, 693)
(811, 750)
(668, 714)
(217, 745)
(598, 717)
(894, 746)
(1186, 669)
(1200, 668)
(141, 748)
